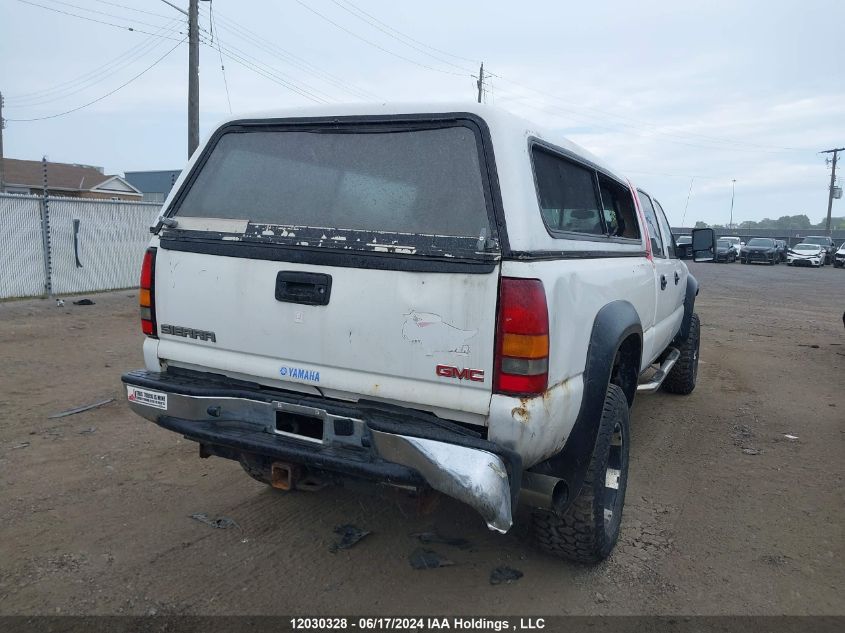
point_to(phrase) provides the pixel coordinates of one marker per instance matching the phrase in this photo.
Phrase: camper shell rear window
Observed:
(416, 188)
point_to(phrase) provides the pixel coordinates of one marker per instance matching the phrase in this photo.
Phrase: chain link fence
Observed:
(92, 244)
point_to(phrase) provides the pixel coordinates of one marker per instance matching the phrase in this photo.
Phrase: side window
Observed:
(651, 225)
(618, 208)
(567, 194)
(667, 231)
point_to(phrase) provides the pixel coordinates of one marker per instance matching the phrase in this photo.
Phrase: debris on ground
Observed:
(751, 451)
(435, 537)
(84, 302)
(790, 437)
(21, 445)
(349, 535)
(504, 575)
(60, 303)
(222, 523)
(87, 407)
(600, 597)
(422, 558)
(88, 431)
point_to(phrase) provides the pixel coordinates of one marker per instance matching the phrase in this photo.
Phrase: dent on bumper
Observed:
(476, 477)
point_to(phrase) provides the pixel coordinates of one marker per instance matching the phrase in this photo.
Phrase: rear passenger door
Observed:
(664, 273)
(677, 286)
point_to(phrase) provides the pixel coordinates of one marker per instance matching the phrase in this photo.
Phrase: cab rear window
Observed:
(576, 199)
(416, 182)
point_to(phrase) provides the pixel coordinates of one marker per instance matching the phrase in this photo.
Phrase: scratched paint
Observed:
(433, 334)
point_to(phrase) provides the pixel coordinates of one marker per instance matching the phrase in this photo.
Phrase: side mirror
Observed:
(703, 245)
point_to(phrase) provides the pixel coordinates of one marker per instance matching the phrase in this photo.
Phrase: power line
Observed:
(109, 15)
(82, 17)
(288, 57)
(374, 45)
(384, 29)
(123, 6)
(108, 94)
(92, 77)
(219, 52)
(301, 87)
(271, 74)
(406, 36)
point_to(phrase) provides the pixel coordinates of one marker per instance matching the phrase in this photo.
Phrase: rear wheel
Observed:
(683, 375)
(589, 529)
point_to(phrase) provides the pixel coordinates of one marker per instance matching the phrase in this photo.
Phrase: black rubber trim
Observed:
(325, 257)
(551, 255)
(377, 416)
(689, 308)
(613, 324)
(262, 444)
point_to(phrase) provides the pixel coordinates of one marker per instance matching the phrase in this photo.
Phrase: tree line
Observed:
(800, 221)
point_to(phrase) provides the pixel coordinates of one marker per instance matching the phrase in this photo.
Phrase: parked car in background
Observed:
(684, 245)
(736, 243)
(806, 255)
(759, 250)
(782, 248)
(724, 252)
(826, 242)
(839, 257)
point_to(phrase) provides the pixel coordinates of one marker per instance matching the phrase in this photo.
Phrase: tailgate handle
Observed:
(312, 289)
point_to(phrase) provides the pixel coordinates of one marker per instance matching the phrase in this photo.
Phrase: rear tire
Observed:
(682, 377)
(589, 529)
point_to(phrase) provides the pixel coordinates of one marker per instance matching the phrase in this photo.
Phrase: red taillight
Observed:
(522, 338)
(147, 293)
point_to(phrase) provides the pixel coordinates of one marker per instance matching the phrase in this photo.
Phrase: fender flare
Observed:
(615, 322)
(689, 308)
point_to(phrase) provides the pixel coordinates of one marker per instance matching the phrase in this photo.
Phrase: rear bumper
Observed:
(363, 440)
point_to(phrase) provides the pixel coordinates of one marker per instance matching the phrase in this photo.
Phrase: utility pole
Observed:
(193, 72)
(193, 76)
(733, 191)
(835, 153)
(2, 125)
(480, 82)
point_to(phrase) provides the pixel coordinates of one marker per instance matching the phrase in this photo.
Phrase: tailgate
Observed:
(384, 334)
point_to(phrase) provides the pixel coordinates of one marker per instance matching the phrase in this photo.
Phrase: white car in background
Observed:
(839, 257)
(806, 255)
(736, 243)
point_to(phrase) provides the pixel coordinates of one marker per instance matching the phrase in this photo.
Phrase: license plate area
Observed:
(303, 426)
(315, 425)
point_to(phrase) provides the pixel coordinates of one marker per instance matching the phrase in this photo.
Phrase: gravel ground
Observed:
(725, 514)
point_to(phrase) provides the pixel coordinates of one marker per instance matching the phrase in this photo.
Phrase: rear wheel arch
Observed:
(615, 342)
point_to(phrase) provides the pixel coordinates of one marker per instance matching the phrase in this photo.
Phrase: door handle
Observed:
(663, 282)
(677, 277)
(313, 289)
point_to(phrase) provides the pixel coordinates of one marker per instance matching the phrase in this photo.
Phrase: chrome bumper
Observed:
(476, 477)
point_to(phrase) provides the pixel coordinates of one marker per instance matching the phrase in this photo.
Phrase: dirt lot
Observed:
(724, 514)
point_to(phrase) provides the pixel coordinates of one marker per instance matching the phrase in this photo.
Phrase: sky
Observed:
(682, 97)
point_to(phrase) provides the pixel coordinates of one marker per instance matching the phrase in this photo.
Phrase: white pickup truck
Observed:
(436, 296)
